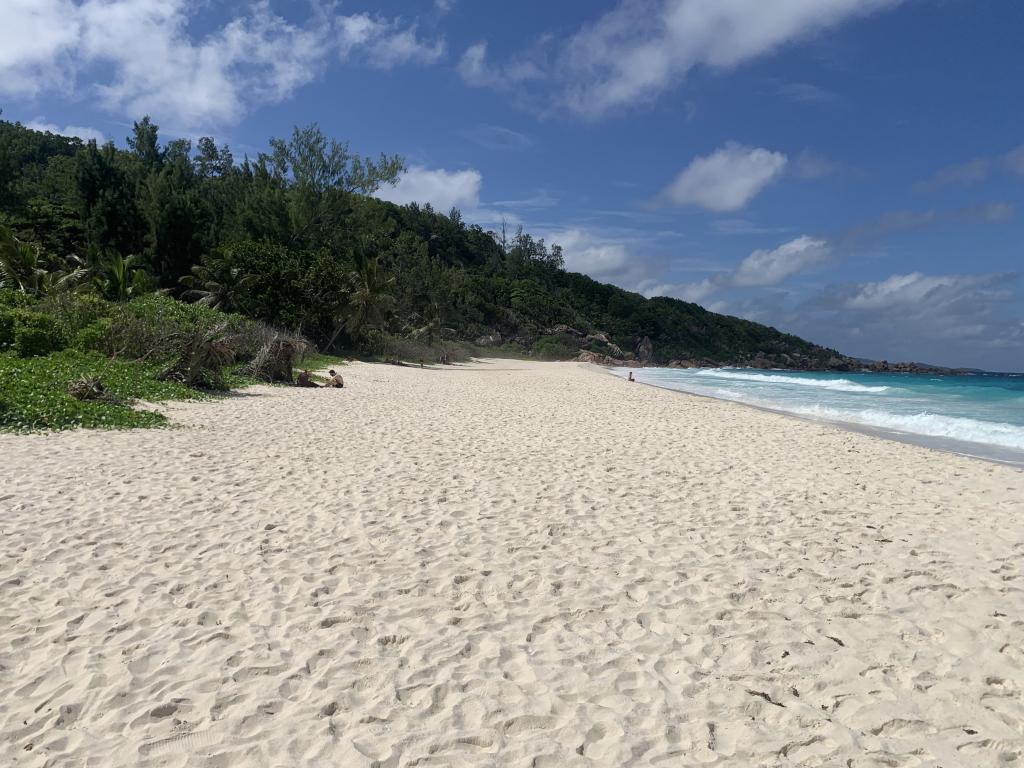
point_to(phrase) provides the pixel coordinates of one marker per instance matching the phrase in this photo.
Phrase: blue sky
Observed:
(848, 170)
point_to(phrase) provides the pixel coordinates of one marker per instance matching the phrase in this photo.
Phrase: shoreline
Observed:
(1005, 457)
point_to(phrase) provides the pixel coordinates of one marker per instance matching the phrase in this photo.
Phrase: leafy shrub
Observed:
(36, 334)
(372, 344)
(7, 320)
(93, 337)
(74, 311)
(15, 299)
(34, 392)
(560, 347)
(414, 350)
(150, 327)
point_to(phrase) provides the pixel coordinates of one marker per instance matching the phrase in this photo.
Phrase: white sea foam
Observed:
(837, 385)
(929, 424)
(907, 409)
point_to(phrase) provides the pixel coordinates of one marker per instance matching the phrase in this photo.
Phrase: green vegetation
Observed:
(77, 360)
(182, 258)
(34, 392)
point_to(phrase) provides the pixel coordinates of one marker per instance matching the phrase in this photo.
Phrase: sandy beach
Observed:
(505, 564)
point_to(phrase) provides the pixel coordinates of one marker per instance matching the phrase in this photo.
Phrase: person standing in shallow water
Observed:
(630, 377)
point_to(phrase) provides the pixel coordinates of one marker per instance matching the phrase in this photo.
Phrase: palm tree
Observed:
(23, 268)
(218, 287)
(120, 277)
(369, 304)
(428, 325)
(21, 265)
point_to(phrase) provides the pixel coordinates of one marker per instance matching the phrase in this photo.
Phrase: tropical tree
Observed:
(216, 284)
(24, 269)
(369, 304)
(429, 325)
(118, 278)
(317, 163)
(21, 265)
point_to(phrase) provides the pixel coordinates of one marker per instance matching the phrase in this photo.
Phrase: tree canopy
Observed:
(293, 237)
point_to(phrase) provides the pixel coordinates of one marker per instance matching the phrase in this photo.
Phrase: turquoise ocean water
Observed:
(979, 414)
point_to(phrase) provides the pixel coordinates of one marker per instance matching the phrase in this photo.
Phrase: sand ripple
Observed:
(514, 565)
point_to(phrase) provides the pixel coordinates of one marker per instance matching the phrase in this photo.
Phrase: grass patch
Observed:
(34, 392)
(315, 361)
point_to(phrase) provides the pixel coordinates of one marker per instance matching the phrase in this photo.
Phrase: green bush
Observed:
(372, 344)
(93, 337)
(15, 299)
(36, 334)
(149, 327)
(414, 350)
(74, 311)
(34, 392)
(7, 321)
(559, 347)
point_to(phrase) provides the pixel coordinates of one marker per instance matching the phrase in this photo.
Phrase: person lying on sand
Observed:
(335, 380)
(304, 380)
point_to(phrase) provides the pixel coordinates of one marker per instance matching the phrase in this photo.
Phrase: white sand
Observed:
(511, 564)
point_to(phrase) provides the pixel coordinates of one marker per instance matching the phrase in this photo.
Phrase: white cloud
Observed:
(918, 290)
(953, 319)
(403, 47)
(157, 68)
(727, 179)
(441, 188)
(772, 267)
(761, 268)
(35, 37)
(693, 292)
(153, 63)
(384, 42)
(444, 6)
(644, 47)
(626, 257)
(590, 254)
(475, 71)
(82, 132)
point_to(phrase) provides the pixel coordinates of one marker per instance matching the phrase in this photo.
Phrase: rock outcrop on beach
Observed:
(598, 359)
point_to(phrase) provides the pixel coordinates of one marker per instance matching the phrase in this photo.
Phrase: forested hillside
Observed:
(295, 239)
